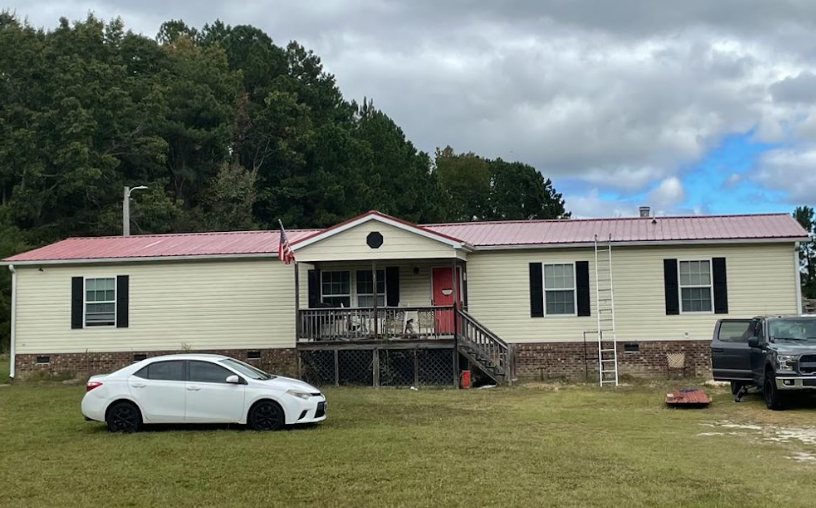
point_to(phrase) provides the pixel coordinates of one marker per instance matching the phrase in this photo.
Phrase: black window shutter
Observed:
(720, 286)
(392, 291)
(77, 300)
(314, 288)
(582, 287)
(671, 286)
(122, 301)
(536, 291)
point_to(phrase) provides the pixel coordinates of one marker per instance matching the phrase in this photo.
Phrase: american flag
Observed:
(285, 252)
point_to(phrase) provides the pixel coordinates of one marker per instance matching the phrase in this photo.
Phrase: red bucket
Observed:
(464, 379)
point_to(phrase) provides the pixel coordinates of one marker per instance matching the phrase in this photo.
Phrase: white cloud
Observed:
(792, 171)
(591, 205)
(668, 194)
(732, 180)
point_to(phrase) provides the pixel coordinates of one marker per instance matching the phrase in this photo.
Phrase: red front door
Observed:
(443, 295)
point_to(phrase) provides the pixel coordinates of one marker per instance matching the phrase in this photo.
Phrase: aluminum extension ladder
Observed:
(605, 297)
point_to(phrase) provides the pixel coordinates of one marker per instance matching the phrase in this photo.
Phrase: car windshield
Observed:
(801, 330)
(247, 370)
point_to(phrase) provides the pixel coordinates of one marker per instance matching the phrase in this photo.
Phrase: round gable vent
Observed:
(374, 240)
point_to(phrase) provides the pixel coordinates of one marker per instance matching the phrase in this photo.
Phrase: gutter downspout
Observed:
(13, 320)
(797, 270)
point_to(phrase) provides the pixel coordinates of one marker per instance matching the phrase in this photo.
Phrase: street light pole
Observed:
(126, 209)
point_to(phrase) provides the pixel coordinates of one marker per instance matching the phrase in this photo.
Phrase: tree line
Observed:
(228, 130)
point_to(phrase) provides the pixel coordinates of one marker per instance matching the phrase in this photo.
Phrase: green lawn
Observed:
(4, 369)
(524, 446)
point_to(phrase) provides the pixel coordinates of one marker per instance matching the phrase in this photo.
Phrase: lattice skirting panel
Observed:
(378, 367)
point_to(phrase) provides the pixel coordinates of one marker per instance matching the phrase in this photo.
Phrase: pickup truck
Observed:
(775, 354)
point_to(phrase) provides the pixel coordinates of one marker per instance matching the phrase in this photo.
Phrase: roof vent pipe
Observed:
(645, 211)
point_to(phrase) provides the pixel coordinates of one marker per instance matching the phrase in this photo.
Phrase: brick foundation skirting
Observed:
(81, 365)
(536, 361)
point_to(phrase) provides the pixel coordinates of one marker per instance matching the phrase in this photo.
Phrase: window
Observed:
(365, 288)
(100, 302)
(163, 371)
(336, 288)
(559, 289)
(736, 330)
(695, 286)
(206, 372)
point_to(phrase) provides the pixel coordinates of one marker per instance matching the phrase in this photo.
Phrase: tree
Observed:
(520, 192)
(804, 215)
(465, 180)
(476, 188)
(11, 242)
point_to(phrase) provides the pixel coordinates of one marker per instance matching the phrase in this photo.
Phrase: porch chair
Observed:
(394, 324)
(426, 319)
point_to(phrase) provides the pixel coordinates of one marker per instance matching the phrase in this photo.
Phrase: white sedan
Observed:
(199, 388)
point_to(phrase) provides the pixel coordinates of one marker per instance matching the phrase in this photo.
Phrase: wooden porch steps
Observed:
(483, 348)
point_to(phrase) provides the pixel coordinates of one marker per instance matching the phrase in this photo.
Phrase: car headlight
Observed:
(299, 394)
(786, 362)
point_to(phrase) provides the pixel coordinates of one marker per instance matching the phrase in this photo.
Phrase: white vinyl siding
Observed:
(100, 301)
(696, 289)
(559, 289)
(397, 244)
(235, 304)
(761, 280)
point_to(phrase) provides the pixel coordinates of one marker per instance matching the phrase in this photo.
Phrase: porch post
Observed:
(297, 302)
(374, 279)
(455, 315)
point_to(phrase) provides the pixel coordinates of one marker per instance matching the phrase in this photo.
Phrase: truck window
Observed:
(735, 330)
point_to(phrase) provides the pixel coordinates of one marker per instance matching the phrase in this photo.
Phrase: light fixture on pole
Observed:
(126, 209)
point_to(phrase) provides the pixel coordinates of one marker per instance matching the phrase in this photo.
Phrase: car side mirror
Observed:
(233, 379)
(753, 342)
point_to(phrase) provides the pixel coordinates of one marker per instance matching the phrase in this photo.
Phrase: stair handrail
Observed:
(482, 328)
(501, 347)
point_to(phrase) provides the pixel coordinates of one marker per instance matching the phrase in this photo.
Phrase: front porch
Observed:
(375, 324)
(380, 301)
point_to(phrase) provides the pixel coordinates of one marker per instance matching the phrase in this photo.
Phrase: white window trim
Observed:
(353, 294)
(85, 301)
(357, 295)
(351, 287)
(710, 286)
(574, 289)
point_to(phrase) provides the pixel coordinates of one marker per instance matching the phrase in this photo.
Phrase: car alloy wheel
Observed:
(123, 417)
(266, 415)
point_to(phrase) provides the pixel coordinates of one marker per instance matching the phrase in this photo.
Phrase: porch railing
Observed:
(480, 345)
(382, 323)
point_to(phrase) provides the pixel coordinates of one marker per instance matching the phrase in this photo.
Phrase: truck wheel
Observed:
(736, 386)
(773, 398)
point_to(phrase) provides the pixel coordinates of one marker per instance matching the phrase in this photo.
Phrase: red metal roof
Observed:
(174, 245)
(477, 234)
(629, 229)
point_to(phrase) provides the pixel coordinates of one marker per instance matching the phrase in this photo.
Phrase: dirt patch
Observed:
(801, 437)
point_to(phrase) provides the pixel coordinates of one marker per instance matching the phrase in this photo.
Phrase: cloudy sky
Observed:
(697, 106)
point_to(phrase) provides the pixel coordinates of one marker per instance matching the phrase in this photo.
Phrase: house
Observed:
(377, 300)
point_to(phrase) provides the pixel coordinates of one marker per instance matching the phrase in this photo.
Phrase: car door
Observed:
(730, 353)
(758, 354)
(210, 399)
(159, 389)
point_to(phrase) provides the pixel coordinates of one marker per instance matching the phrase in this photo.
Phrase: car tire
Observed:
(773, 398)
(266, 415)
(123, 417)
